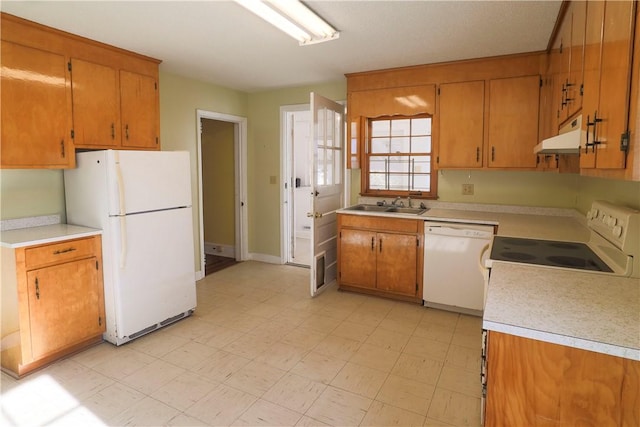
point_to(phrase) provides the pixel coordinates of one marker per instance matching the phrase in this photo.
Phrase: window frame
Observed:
(367, 154)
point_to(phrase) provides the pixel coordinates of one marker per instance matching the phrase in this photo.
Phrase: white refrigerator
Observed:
(142, 202)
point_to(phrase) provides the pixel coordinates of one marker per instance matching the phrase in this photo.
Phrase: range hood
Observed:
(567, 142)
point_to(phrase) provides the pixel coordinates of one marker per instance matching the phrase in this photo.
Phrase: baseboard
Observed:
(265, 258)
(219, 250)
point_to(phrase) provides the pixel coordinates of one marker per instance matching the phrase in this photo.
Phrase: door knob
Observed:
(314, 215)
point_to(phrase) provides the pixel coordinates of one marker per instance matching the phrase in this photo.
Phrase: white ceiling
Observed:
(222, 43)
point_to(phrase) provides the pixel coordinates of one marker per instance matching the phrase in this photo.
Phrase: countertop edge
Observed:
(554, 338)
(45, 234)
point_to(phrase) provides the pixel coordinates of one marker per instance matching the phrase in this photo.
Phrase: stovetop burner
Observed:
(547, 253)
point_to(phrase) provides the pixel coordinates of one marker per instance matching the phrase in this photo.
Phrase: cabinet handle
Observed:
(62, 148)
(477, 154)
(380, 244)
(126, 131)
(113, 131)
(64, 251)
(373, 239)
(37, 289)
(493, 153)
(595, 142)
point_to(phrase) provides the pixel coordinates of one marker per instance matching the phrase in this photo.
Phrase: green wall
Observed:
(218, 184)
(179, 99)
(33, 192)
(264, 159)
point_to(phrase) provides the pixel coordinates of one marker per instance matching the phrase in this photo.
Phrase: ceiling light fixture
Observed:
(294, 18)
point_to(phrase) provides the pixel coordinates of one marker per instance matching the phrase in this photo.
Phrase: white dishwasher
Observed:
(453, 256)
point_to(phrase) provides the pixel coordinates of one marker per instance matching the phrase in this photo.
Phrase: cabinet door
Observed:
(358, 258)
(397, 263)
(513, 121)
(36, 109)
(461, 116)
(96, 114)
(573, 98)
(139, 111)
(66, 305)
(563, 48)
(615, 82)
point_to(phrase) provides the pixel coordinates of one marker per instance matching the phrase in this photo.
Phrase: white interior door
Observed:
(327, 187)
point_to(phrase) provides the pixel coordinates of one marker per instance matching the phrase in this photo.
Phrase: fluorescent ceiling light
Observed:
(294, 18)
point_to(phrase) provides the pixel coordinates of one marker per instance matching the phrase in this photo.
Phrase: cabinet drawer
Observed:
(379, 223)
(57, 253)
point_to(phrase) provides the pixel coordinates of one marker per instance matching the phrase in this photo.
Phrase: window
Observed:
(398, 157)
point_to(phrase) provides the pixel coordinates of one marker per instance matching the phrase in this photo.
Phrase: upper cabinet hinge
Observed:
(73, 134)
(437, 159)
(582, 89)
(540, 81)
(438, 91)
(97, 266)
(69, 65)
(156, 140)
(155, 85)
(99, 320)
(624, 141)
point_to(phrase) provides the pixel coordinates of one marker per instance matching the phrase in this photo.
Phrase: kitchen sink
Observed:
(386, 209)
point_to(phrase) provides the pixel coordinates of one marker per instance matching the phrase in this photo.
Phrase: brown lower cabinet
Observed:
(52, 302)
(381, 256)
(534, 383)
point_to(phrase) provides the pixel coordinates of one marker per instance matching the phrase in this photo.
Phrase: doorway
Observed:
(296, 131)
(222, 186)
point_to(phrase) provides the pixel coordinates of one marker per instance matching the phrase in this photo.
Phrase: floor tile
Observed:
(339, 407)
(465, 339)
(383, 415)
(189, 355)
(282, 356)
(221, 406)
(318, 367)
(219, 336)
(405, 393)
(220, 366)
(249, 346)
(157, 343)
(182, 420)
(418, 368)
(147, 412)
(303, 338)
(388, 339)
(461, 381)
(126, 363)
(263, 413)
(306, 421)
(111, 401)
(426, 347)
(255, 378)
(360, 380)
(434, 332)
(295, 392)
(454, 408)
(152, 376)
(353, 331)
(374, 357)
(337, 347)
(463, 357)
(184, 390)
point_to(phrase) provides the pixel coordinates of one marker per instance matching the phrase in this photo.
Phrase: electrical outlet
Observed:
(467, 189)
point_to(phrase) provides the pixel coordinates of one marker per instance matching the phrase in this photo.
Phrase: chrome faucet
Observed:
(395, 202)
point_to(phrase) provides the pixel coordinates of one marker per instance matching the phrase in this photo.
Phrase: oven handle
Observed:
(484, 250)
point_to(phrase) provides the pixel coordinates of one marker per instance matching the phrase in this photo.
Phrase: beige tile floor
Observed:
(260, 351)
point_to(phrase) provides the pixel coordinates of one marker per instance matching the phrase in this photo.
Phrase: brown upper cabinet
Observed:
(513, 121)
(36, 109)
(607, 84)
(61, 92)
(461, 118)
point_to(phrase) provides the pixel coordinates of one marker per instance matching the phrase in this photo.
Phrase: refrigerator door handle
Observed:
(122, 210)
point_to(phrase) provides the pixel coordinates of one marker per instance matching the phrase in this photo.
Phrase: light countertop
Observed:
(596, 312)
(44, 234)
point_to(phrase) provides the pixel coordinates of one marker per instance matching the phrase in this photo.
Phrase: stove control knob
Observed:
(617, 231)
(594, 213)
(612, 221)
(605, 218)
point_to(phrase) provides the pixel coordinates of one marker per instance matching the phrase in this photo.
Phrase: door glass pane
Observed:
(329, 166)
(320, 178)
(337, 166)
(329, 126)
